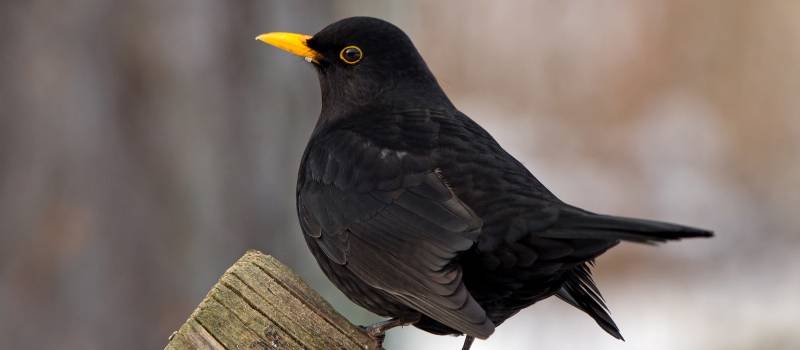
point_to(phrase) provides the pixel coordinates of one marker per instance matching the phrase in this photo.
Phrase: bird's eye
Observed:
(351, 54)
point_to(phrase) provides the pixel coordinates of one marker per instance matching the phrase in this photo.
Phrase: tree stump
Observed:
(260, 303)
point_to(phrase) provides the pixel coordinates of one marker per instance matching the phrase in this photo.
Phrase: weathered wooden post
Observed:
(260, 304)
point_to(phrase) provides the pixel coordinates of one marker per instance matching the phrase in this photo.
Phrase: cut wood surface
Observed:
(260, 303)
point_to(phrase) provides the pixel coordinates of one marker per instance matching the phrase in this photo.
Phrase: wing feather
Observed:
(396, 228)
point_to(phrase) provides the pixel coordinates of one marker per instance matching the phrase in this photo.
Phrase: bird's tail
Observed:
(580, 291)
(576, 224)
(580, 224)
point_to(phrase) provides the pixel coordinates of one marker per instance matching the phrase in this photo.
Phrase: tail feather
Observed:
(580, 291)
(580, 224)
(573, 223)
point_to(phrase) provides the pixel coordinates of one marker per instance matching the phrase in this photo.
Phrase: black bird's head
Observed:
(364, 62)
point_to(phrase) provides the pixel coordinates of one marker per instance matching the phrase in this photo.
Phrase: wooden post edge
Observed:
(260, 303)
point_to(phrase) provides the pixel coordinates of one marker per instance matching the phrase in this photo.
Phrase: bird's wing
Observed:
(395, 224)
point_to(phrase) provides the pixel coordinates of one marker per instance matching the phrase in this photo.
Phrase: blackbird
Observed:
(416, 213)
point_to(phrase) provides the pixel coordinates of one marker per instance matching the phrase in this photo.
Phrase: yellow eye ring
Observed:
(351, 54)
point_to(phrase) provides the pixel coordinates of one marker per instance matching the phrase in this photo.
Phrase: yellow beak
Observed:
(292, 43)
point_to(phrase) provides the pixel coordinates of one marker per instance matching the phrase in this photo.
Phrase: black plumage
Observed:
(415, 212)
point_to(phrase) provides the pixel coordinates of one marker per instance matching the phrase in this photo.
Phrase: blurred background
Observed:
(145, 145)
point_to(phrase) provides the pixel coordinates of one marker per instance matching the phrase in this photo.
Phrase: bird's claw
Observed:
(378, 330)
(374, 331)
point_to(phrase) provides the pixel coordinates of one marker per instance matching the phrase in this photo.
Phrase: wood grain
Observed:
(260, 303)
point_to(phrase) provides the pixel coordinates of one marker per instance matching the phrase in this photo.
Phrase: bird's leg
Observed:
(468, 342)
(378, 330)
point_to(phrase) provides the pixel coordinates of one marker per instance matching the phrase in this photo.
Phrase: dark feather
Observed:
(400, 241)
(580, 224)
(580, 291)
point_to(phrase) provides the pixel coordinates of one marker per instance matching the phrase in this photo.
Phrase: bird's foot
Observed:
(378, 330)
(468, 342)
